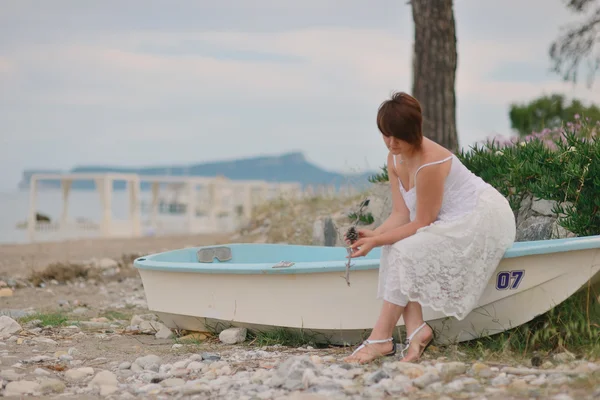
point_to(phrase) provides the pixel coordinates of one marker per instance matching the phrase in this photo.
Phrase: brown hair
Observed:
(401, 117)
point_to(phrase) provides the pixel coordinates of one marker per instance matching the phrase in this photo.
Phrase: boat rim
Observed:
(519, 249)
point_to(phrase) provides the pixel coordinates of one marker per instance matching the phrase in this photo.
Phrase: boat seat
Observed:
(208, 254)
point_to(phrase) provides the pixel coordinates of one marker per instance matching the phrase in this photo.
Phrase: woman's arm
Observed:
(400, 214)
(430, 194)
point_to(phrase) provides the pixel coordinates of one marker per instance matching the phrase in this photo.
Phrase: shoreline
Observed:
(19, 259)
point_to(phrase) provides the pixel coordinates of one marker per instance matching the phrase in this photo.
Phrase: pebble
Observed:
(246, 372)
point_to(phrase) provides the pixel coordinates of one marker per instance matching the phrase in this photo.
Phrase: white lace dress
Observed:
(447, 265)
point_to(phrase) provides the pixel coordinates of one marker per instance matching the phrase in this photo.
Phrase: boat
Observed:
(303, 289)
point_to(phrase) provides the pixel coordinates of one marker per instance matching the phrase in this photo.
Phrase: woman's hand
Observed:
(364, 246)
(362, 233)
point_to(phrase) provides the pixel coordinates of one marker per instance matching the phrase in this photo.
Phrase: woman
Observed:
(446, 234)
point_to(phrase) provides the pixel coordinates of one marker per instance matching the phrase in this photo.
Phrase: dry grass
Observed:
(69, 272)
(291, 220)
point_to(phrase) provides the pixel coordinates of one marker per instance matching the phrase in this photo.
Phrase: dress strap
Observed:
(431, 163)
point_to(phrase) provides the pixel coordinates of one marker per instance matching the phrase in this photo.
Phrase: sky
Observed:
(147, 82)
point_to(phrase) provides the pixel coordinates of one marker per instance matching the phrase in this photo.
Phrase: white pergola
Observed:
(251, 192)
(104, 185)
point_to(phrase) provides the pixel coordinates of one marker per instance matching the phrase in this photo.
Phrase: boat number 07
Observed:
(509, 279)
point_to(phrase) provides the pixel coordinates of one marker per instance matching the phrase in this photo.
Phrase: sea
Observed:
(83, 204)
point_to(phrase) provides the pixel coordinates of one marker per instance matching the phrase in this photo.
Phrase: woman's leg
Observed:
(383, 329)
(413, 319)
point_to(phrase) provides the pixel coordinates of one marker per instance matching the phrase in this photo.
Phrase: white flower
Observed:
(499, 153)
(523, 144)
(572, 148)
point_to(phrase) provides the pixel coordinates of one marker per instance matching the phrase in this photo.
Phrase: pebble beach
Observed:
(92, 336)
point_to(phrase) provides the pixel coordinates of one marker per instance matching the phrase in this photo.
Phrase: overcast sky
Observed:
(171, 82)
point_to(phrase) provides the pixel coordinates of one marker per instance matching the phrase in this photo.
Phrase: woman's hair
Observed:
(401, 117)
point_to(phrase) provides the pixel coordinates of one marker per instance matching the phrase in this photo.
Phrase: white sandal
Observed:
(368, 342)
(408, 340)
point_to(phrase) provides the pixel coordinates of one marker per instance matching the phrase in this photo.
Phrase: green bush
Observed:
(561, 164)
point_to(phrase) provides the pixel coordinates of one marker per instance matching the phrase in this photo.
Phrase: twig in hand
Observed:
(352, 236)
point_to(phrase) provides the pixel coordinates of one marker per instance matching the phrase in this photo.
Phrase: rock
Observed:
(535, 228)
(138, 319)
(500, 380)
(426, 380)
(80, 311)
(482, 370)
(147, 362)
(17, 388)
(8, 327)
(10, 375)
(6, 292)
(152, 327)
(16, 314)
(233, 335)
(51, 386)
(210, 356)
(325, 232)
(106, 381)
(380, 203)
(564, 357)
(172, 382)
(450, 370)
(164, 333)
(543, 207)
(125, 365)
(76, 375)
(41, 372)
(288, 374)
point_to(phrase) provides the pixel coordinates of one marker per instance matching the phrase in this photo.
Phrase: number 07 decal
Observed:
(509, 279)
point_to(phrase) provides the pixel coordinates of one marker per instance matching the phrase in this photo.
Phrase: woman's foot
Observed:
(372, 349)
(417, 343)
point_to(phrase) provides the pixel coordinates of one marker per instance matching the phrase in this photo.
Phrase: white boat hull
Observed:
(321, 304)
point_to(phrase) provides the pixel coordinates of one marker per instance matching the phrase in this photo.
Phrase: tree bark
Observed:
(434, 69)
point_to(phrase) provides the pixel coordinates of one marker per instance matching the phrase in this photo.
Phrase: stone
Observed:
(147, 362)
(106, 382)
(8, 326)
(325, 232)
(14, 313)
(76, 375)
(288, 374)
(564, 357)
(210, 356)
(125, 365)
(152, 327)
(450, 370)
(233, 335)
(543, 207)
(482, 370)
(164, 333)
(6, 292)
(17, 388)
(172, 382)
(52, 386)
(11, 375)
(41, 372)
(535, 228)
(426, 379)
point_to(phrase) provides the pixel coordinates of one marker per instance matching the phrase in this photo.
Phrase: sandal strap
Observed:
(369, 341)
(416, 331)
(409, 339)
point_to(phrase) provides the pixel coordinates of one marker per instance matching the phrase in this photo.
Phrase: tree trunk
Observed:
(434, 69)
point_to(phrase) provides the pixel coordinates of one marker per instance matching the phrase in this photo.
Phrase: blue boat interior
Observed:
(251, 258)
